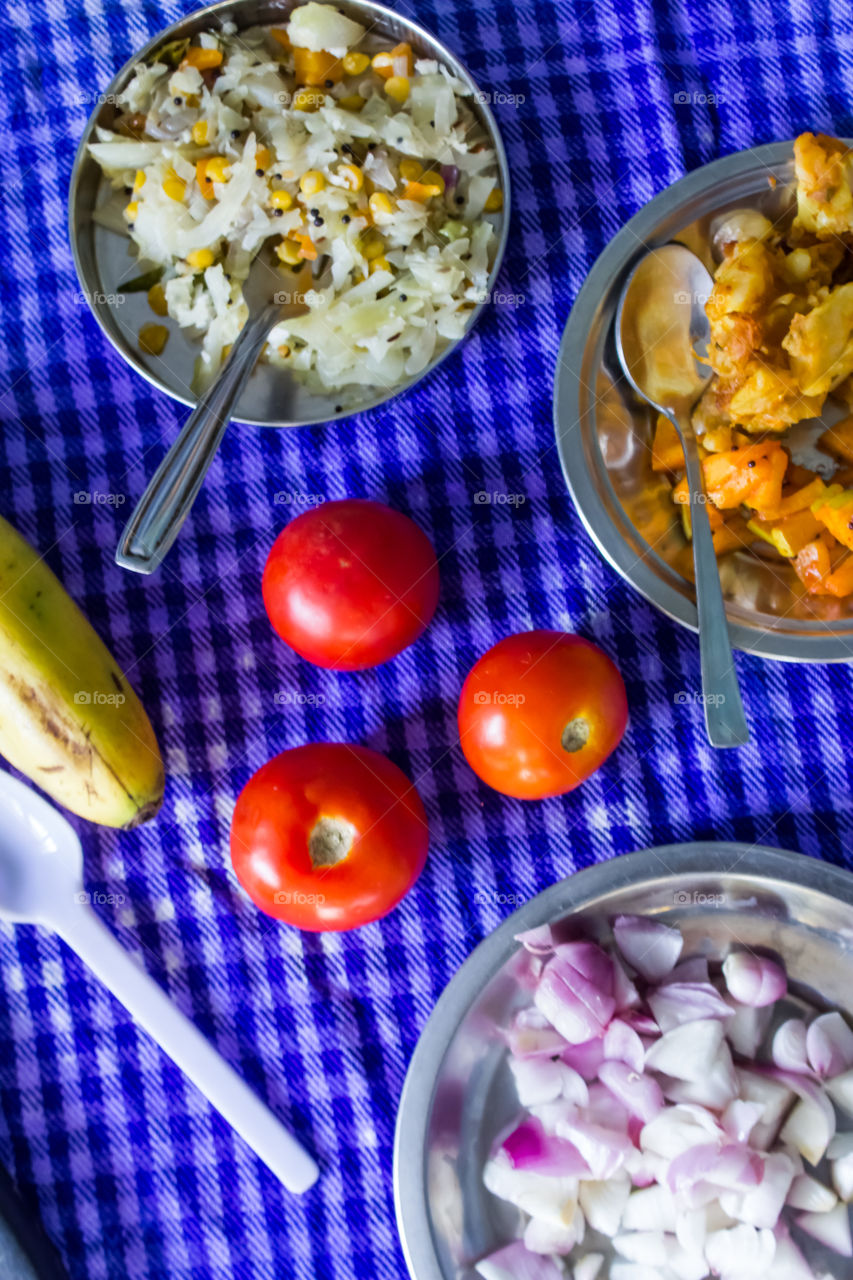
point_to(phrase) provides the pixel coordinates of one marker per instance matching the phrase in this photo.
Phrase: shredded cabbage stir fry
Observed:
(679, 1122)
(323, 139)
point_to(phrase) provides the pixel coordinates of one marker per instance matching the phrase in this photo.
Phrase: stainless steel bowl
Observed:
(459, 1093)
(272, 398)
(603, 433)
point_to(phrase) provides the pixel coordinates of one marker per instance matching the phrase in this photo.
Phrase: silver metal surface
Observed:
(604, 434)
(159, 514)
(272, 397)
(662, 332)
(459, 1093)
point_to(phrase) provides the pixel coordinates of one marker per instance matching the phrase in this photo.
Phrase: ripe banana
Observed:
(69, 719)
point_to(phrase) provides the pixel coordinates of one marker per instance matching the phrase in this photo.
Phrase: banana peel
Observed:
(69, 719)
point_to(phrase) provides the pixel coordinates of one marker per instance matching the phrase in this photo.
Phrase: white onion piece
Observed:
(538, 941)
(810, 1195)
(829, 1043)
(761, 1206)
(789, 1263)
(573, 992)
(840, 1154)
(687, 1052)
(841, 1091)
(639, 1094)
(633, 1271)
(686, 1265)
(789, 1046)
(588, 1267)
(622, 1044)
(647, 1247)
(649, 947)
(747, 1027)
(603, 1149)
(831, 1229)
(584, 1058)
(545, 1237)
(650, 1209)
(537, 1080)
(714, 1090)
(740, 1118)
(691, 1230)
(603, 1203)
(740, 1251)
(555, 1200)
(774, 1095)
(811, 1125)
(531, 1035)
(678, 1129)
(625, 993)
(515, 1262)
(753, 979)
(680, 1002)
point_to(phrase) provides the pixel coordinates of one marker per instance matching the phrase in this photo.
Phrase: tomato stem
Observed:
(576, 734)
(330, 841)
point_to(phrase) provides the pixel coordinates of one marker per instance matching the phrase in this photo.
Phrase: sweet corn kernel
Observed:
(217, 169)
(157, 300)
(131, 210)
(175, 188)
(311, 182)
(352, 176)
(200, 132)
(153, 338)
(355, 64)
(289, 252)
(195, 56)
(397, 87)
(308, 99)
(372, 246)
(379, 264)
(262, 158)
(283, 350)
(139, 180)
(352, 102)
(201, 258)
(494, 201)
(434, 182)
(410, 169)
(380, 205)
(281, 199)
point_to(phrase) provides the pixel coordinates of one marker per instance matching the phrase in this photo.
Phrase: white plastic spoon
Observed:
(41, 882)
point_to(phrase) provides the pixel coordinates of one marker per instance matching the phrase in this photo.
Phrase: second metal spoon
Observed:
(661, 328)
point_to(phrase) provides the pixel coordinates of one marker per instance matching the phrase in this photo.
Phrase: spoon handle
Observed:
(187, 1047)
(724, 717)
(165, 504)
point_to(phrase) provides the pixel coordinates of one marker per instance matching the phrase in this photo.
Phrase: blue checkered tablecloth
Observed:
(130, 1170)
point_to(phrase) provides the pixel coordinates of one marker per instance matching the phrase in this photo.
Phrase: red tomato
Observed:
(328, 836)
(349, 584)
(540, 712)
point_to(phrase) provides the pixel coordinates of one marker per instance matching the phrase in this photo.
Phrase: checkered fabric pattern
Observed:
(130, 1170)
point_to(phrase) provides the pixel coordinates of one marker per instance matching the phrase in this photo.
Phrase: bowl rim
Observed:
(635, 237)
(699, 858)
(215, 14)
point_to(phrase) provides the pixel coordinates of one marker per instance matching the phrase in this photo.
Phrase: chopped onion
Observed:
(740, 1118)
(840, 1154)
(679, 1002)
(647, 1247)
(687, 1052)
(649, 947)
(789, 1046)
(740, 1251)
(811, 1125)
(575, 992)
(639, 1094)
(841, 1091)
(604, 1203)
(515, 1262)
(810, 1195)
(831, 1229)
(754, 980)
(747, 1027)
(530, 1149)
(623, 1044)
(588, 1267)
(829, 1043)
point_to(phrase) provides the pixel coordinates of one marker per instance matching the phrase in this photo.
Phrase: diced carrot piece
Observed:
(753, 476)
(203, 180)
(812, 566)
(797, 500)
(733, 535)
(667, 453)
(840, 581)
(195, 56)
(384, 63)
(307, 247)
(839, 439)
(835, 511)
(788, 536)
(280, 34)
(316, 67)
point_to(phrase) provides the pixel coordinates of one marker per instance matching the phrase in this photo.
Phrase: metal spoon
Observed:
(661, 328)
(41, 866)
(271, 293)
